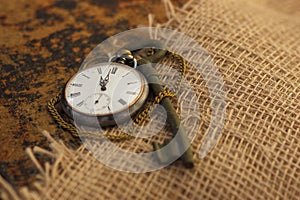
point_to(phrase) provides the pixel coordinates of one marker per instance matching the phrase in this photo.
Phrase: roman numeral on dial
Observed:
(126, 74)
(76, 84)
(122, 101)
(86, 76)
(99, 70)
(80, 103)
(134, 82)
(114, 70)
(130, 92)
(75, 94)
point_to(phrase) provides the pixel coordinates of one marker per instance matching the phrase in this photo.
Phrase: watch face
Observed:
(105, 89)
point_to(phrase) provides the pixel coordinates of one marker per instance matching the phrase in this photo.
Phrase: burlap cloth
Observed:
(255, 46)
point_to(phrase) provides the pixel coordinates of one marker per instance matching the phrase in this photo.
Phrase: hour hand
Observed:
(102, 82)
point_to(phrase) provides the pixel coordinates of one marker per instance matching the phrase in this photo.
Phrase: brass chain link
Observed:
(145, 113)
(140, 118)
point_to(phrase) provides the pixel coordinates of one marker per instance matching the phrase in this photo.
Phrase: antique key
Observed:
(146, 61)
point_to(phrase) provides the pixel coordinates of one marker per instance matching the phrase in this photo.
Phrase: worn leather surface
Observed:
(42, 44)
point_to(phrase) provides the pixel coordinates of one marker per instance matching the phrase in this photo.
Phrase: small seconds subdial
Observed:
(95, 103)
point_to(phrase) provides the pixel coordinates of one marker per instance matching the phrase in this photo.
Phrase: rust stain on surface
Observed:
(42, 44)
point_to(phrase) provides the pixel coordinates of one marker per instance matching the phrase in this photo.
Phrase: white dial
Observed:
(105, 89)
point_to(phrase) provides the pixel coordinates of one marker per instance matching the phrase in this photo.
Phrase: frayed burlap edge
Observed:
(58, 150)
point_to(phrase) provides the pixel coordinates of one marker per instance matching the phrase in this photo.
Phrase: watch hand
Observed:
(97, 101)
(107, 77)
(102, 83)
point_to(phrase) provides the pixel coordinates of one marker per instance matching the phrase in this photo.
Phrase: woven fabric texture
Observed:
(255, 46)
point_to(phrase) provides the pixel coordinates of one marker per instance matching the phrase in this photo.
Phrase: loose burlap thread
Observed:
(255, 46)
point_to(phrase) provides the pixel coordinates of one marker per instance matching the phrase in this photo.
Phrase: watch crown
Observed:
(125, 57)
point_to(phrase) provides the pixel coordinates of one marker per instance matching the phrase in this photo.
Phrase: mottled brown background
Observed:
(42, 44)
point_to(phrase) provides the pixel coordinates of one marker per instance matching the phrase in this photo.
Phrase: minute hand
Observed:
(107, 77)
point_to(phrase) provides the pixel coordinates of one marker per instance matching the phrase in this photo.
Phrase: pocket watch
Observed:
(108, 93)
(111, 92)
